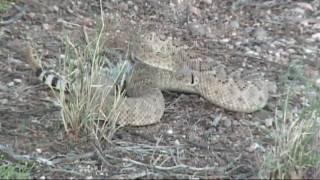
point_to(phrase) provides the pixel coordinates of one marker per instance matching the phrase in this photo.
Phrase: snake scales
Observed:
(160, 65)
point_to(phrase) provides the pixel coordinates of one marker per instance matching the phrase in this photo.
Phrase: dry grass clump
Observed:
(93, 94)
(295, 153)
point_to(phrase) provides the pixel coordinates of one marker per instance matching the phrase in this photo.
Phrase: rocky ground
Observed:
(194, 138)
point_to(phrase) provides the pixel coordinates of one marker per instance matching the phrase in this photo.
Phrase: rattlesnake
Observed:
(160, 65)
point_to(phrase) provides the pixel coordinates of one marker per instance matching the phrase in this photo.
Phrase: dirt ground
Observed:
(195, 138)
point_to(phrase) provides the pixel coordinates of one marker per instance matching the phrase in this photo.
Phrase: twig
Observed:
(27, 113)
(86, 37)
(177, 167)
(17, 16)
(181, 167)
(101, 156)
(144, 147)
(73, 158)
(68, 24)
(8, 152)
(205, 146)
(130, 176)
(67, 171)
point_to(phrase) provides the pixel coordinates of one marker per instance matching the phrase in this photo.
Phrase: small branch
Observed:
(8, 153)
(101, 156)
(131, 176)
(86, 37)
(22, 11)
(67, 172)
(73, 158)
(177, 167)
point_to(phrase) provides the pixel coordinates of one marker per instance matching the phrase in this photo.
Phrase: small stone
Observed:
(269, 122)
(225, 40)
(235, 24)
(46, 26)
(227, 122)
(31, 15)
(11, 84)
(55, 8)
(4, 101)
(318, 81)
(298, 12)
(177, 142)
(39, 150)
(316, 26)
(197, 29)
(315, 37)
(130, 3)
(62, 56)
(254, 147)
(216, 120)
(207, 1)
(43, 177)
(170, 131)
(195, 11)
(17, 81)
(136, 8)
(308, 51)
(261, 34)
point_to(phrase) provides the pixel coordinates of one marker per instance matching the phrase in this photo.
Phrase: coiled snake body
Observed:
(162, 66)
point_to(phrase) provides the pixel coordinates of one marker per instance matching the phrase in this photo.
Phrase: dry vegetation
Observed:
(47, 134)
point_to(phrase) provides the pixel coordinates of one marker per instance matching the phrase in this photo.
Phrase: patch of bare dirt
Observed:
(194, 138)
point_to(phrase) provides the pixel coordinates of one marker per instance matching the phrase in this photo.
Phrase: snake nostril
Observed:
(192, 79)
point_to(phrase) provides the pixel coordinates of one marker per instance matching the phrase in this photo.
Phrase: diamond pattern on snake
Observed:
(160, 65)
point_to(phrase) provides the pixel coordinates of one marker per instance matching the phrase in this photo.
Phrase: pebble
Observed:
(269, 122)
(227, 122)
(261, 34)
(31, 15)
(136, 8)
(216, 120)
(177, 142)
(207, 1)
(318, 82)
(46, 26)
(4, 101)
(315, 37)
(62, 56)
(17, 81)
(11, 84)
(235, 24)
(197, 29)
(55, 8)
(254, 147)
(39, 150)
(170, 131)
